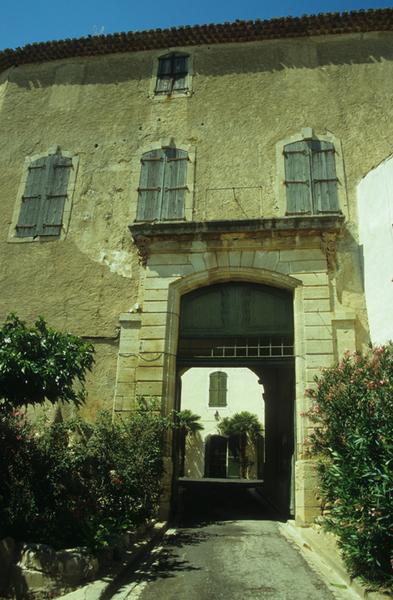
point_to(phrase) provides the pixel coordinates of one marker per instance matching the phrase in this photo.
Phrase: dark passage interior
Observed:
(240, 325)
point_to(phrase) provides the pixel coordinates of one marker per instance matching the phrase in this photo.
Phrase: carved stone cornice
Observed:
(324, 227)
(142, 246)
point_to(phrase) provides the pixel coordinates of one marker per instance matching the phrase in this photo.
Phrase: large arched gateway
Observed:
(235, 327)
(252, 294)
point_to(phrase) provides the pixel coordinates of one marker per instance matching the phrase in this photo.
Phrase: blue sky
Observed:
(26, 21)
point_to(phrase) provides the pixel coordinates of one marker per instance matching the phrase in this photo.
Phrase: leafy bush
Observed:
(73, 483)
(38, 363)
(68, 483)
(353, 412)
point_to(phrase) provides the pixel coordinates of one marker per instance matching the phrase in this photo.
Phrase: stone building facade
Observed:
(138, 168)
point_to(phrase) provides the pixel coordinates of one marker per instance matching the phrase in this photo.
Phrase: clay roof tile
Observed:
(192, 35)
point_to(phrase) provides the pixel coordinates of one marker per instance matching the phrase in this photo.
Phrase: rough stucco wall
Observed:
(375, 208)
(100, 382)
(246, 97)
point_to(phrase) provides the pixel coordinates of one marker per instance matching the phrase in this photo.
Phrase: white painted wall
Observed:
(244, 393)
(375, 214)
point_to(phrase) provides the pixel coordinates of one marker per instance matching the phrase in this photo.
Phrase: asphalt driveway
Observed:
(224, 545)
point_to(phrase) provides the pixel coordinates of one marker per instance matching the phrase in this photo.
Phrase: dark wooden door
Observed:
(216, 457)
(233, 457)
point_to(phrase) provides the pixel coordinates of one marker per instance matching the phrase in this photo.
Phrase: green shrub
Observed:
(353, 413)
(126, 460)
(69, 483)
(73, 483)
(38, 364)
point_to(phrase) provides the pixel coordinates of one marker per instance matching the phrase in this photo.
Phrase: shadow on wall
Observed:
(272, 56)
(195, 453)
(350, 278)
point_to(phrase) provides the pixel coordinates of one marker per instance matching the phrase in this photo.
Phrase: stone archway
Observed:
(181, 286)
(238, 326)
(149, 336)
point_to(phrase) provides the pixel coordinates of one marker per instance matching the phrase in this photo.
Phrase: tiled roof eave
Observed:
(237, 32)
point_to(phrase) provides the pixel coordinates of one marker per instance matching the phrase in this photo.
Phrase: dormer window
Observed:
(172, 74)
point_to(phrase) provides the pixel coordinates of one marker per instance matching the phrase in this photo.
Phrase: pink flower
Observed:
(379, 349)
(115, 477)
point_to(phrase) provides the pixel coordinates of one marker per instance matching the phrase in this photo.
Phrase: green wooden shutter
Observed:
(218, 389)
(222, 388)
(324, 176)
(297, 177)
(52, 208)
(151, 185)
(164, 75)
(31, 199)
(180, 70)
(175, 181)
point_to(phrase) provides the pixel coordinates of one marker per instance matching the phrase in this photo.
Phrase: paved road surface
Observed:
(225, 546)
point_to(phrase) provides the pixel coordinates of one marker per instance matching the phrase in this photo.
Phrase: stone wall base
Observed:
(308, 505)
(38, 571)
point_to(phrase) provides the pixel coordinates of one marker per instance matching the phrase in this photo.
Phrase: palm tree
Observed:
(186, 422)
(246, 427)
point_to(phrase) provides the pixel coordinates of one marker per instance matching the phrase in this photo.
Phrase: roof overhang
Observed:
(225, 33)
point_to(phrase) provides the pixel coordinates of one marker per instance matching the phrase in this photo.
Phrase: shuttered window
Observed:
(218, 389)
(310, 177)
(172, 74)
(45, 193)
(162, 185)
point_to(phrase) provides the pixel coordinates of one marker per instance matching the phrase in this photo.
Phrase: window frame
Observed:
(164, 171)
(189, 179)
(12, 235)
(183, 93)
(307, 134)
(173, 74)
(211, 375)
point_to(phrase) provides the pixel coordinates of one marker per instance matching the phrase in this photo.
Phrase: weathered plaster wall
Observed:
(245, 99)
(375, 208)
(100, 381)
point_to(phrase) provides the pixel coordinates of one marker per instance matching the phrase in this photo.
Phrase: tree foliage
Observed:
(187, 421)
(38, 363)
(243, 423)
(352, 408)
(247, 428)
